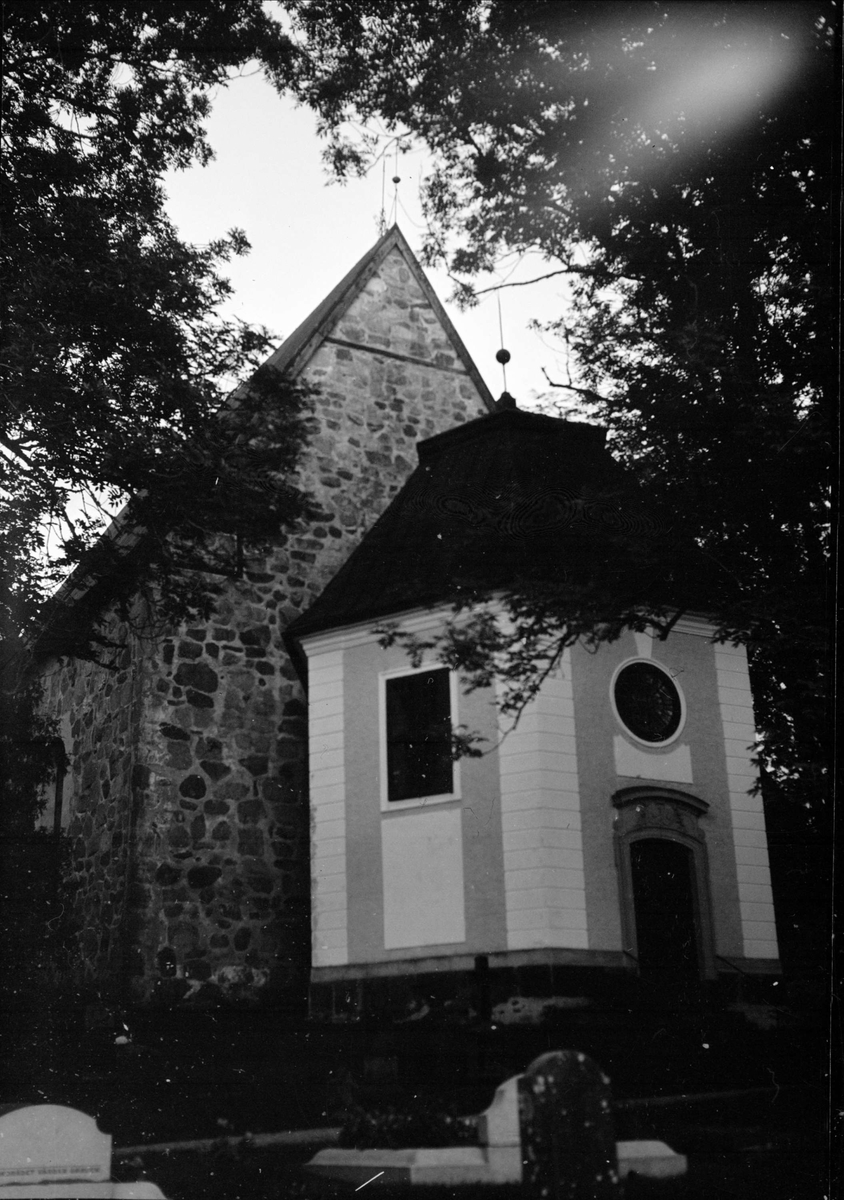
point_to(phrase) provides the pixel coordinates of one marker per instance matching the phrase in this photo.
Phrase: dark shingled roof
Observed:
(509, 496)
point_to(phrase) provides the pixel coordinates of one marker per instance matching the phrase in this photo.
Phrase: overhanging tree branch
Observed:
(587, 393)
(590, 272)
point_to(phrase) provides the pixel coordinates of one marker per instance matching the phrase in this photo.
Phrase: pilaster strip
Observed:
(544, 882)
(326, 736)
(748, 819)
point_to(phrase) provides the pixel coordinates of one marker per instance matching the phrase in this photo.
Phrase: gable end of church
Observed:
(184, 804)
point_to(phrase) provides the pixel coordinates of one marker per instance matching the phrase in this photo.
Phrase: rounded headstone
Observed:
(41, 1143)
(568, 1141)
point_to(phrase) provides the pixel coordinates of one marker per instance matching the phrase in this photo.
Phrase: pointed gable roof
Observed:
(298, 348)
(123, 535)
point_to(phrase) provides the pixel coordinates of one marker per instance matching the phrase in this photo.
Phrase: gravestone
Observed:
(49, 1151)
(50, 1142)
(558, 1128)
(568, 1143)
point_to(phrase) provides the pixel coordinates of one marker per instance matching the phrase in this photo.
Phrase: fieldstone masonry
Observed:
(100, 714)
(187, 800)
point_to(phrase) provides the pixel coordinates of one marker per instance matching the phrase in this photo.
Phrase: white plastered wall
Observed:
(540, 813)
(326, 737)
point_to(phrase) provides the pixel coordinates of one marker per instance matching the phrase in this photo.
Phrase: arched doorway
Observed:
(664, 905)
(663, 882)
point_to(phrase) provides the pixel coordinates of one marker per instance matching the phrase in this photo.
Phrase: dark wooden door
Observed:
(665, 905)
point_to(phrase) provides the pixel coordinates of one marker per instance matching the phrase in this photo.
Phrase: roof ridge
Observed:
(512, 418)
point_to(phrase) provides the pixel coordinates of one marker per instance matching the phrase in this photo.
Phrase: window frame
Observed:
(391, 806)
(640, 660)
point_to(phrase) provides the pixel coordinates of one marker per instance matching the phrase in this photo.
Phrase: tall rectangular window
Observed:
(419, 735)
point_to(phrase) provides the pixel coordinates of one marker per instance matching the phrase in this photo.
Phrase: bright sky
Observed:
(306, 232)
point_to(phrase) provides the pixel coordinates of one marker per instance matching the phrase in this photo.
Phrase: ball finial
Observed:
(502, 356)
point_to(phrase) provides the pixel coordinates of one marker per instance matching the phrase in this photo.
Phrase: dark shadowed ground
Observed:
(221, 1075)
(264, 1175)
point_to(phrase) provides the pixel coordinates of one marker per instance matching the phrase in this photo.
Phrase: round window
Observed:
(647, 702)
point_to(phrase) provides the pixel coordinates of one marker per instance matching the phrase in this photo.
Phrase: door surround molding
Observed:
(652, 812)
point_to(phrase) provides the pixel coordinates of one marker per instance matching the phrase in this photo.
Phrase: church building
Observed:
(608, 830)
(266, 803)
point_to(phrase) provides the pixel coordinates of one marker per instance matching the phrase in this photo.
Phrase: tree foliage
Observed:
(115, 361)
(675, 163)
(672, 161)
(115, 358)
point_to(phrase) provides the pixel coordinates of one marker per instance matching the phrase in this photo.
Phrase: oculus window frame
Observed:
(384, 679)
(650, 664)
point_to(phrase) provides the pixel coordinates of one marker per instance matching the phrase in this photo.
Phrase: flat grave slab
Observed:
(501, 1156)
(452, 1165)
(438, 1166)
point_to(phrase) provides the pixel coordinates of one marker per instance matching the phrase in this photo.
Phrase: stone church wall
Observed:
(209, 749)
(99, 709)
